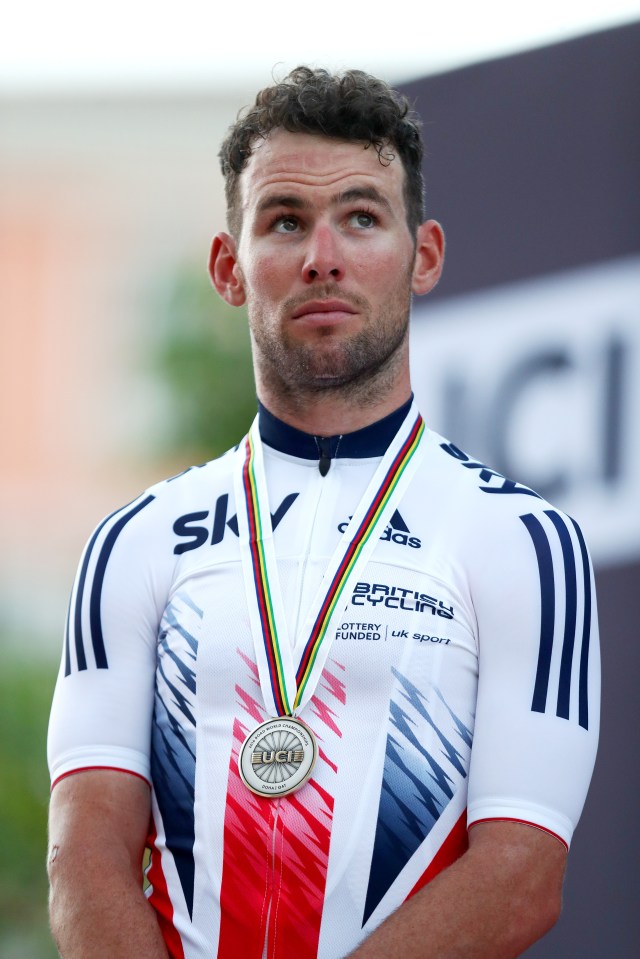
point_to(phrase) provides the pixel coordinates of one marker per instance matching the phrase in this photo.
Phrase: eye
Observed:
(285, 224)
(362, 220)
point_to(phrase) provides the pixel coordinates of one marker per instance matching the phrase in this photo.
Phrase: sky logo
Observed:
(191, 529)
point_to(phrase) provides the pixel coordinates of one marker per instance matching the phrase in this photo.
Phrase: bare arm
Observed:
(97, 829)
(493, 903)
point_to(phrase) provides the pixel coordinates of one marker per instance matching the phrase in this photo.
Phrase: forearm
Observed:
(98, 822)
(487, 905)
(98, 909)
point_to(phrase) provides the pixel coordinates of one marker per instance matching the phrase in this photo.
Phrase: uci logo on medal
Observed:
(277, 758)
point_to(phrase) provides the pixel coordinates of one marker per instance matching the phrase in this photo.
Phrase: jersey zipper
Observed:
(274, 836)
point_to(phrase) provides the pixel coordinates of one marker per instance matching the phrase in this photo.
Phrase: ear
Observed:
(429, 257)
(224, 270)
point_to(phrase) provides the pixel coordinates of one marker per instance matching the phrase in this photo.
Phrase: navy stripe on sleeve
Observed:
(570, 620)
(547, 610)
(583, 699)
(95, 622)
(67, 651)
(571, 579)
(82, 578)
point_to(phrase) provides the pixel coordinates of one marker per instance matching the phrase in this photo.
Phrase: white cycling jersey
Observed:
(461, 686)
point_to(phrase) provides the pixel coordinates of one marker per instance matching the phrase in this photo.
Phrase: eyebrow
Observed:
(362, 193)
(277, 200)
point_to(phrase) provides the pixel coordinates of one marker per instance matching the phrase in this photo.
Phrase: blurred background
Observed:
(119, 366)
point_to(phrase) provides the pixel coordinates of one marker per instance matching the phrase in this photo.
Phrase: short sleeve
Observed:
(103, 701)
(537, 718)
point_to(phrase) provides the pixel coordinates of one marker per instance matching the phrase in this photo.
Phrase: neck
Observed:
(336, 411)
(346, 387)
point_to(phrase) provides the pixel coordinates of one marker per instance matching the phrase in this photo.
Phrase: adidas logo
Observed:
(396, 532)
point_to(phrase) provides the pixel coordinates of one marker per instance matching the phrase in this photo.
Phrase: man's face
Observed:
(325, 262)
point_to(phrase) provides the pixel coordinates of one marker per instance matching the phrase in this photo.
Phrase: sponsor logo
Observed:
(375, 632)
(359, 631)
(397, 597)
(425, 638)
(196, 529)
(486, 475)
(396, 532)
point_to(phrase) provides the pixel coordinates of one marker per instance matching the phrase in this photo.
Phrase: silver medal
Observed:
(277, 757)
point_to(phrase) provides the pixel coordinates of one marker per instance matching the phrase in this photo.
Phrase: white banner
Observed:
(541, 381)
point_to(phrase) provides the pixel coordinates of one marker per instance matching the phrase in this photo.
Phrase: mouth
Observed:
(324, 311)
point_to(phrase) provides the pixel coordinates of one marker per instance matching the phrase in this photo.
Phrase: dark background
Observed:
(533, 167)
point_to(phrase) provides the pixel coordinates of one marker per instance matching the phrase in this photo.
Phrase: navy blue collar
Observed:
(371, 440)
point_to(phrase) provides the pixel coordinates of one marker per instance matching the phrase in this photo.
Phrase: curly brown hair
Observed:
(350, 106)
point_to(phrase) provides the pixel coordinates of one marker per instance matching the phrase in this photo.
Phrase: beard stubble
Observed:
(355, 365)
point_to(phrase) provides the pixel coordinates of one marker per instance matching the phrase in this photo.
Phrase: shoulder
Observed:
(493, 515)
(193, 480)
(147, 524)
(476, 487)
(471, 476)
(193, 486)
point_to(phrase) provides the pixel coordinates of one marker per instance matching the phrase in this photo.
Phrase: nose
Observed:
(323, 259)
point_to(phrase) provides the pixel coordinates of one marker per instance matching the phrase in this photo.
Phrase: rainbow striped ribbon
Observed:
(289, 692)
(270, 637)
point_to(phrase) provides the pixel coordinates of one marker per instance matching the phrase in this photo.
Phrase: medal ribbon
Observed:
(286, 689)
(272, 642)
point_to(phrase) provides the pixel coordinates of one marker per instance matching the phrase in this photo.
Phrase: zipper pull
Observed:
(324, 451)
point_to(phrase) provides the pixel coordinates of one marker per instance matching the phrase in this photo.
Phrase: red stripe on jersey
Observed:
(456, 843)
(301, 861)
(276, 854)
(245, 892)
(161, 902)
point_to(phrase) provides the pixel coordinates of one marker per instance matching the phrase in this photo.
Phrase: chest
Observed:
(406, 612)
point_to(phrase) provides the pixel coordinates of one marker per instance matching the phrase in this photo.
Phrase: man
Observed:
(335, 740)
